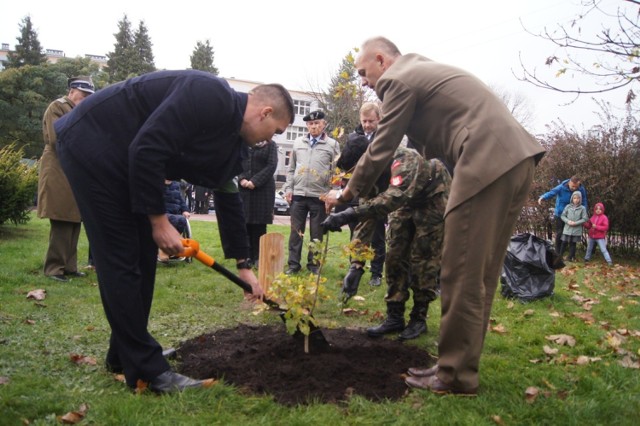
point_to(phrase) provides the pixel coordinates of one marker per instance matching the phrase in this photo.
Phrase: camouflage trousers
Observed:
(414, 249)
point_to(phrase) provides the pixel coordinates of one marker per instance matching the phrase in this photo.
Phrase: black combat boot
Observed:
(417, 322)
(393, 322)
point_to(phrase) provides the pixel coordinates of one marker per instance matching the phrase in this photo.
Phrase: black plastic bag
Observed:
(529, 268)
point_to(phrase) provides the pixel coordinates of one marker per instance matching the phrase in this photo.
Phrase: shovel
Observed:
(192, 249)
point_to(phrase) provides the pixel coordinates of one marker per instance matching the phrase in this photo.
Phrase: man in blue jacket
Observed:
(117, 151)
(562, 193)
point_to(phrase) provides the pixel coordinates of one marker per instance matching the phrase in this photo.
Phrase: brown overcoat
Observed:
(449, 114)
(55, 199)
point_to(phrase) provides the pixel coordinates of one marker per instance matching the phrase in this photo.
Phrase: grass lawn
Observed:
(570, 359)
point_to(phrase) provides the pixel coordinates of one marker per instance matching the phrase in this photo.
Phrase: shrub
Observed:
(18, 185)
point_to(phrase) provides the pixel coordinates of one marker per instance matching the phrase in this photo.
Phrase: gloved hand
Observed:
(335, 220)
(351, 281)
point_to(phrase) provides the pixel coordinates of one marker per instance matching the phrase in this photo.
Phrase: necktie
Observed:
(313, 142)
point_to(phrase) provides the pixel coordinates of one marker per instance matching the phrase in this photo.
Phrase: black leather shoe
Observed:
(59, 277)
(291, 271)
(313, 269)
(76, 274)
(413, 330)
(170, 381)
(375, 281)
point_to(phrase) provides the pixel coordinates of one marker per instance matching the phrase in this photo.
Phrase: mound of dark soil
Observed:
(267, 360)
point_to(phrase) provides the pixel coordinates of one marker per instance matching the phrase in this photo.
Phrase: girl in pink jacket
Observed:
(598, 233)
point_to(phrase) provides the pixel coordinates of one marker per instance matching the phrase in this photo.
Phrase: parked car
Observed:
(280, 205)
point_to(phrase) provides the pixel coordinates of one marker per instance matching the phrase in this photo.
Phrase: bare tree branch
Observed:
(615, 52)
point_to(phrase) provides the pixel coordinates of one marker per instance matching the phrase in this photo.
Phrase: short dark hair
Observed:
(279, 96)
(352, 151)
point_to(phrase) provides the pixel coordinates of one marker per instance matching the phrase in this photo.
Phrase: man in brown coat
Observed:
(449, 114)
(55, 199)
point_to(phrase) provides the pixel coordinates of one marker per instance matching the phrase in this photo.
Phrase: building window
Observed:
(287, 158)
(294, 132)
(302, 107)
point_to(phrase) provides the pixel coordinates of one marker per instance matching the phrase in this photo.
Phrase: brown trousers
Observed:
(476, 236)
(62, 254)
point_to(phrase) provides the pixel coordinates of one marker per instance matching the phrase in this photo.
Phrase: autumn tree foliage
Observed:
(202, 58)
(343, 98)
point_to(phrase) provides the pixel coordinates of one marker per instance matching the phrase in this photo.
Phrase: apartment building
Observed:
(53, 56)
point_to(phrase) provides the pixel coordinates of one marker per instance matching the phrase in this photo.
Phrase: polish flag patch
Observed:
(396, 180)
(395, 164)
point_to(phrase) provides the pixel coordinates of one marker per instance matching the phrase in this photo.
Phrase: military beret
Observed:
(83, 83)
(315, 115)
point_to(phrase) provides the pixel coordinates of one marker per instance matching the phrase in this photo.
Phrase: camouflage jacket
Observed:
(414, 181)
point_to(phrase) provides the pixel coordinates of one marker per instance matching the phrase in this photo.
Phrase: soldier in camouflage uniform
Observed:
(415, 202)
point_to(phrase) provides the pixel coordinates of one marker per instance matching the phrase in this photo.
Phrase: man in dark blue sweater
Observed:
(117, 151)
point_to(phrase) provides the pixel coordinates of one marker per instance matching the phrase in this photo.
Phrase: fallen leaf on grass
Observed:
(584, 360)
(359, 298)
(29, 321)
(528, 312)
(549, 350)
(39, 294)
(352, 312)
(377, 315)
(500, 329)
(531, 393)
(587, 317)
(73, 417)
(555, 314)
(4, 380)
(141, 386)
(629, 362)
(562, 339)
(498, 420)
(614, 339)
(81, 359)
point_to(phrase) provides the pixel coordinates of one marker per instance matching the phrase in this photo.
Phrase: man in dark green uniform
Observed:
(415, 202)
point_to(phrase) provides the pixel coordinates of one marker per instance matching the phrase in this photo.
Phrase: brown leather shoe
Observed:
(435, 385)
(423, 372)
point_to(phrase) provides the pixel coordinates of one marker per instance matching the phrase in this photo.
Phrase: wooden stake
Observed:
(271, 258)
